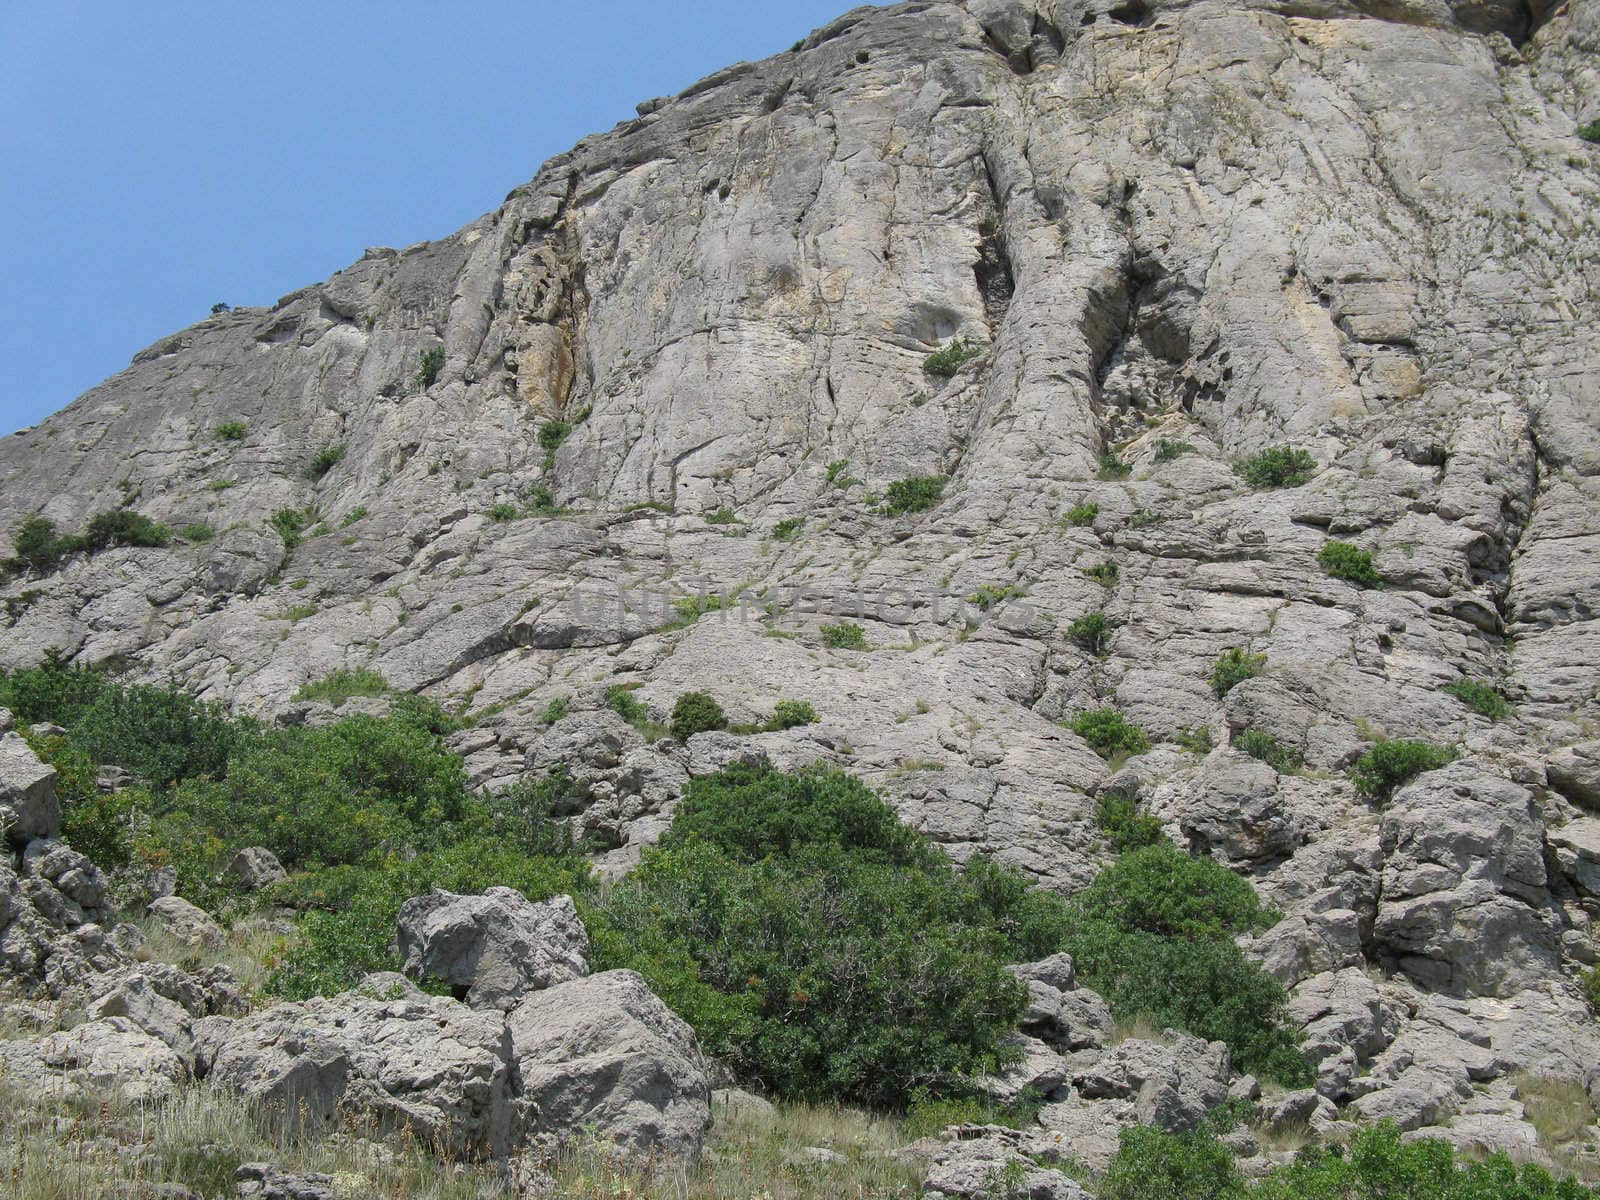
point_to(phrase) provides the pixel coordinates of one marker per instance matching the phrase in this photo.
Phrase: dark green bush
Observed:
(556, 710)
(1112, 467)
(1590, 982)
(621, 700)
(1126, 828)
(1151, 1164)
(1280, 466)
(40, 548)
(1483, 698)
(502, 512)
(788, 529)
(1092, 632)
(722, 516)
(696, 712)
(1154, 935)
(160, 734)
(231, 431)
(1590, 132)
(1105, 574)
(1390, 765)
(431, 363)
(1234, 665)
(1109, 733)
(53, 692)
(914, 495)
(1265, 748)
(1167, 450)
(1082, 514)
(552, 434)
(1344, 561)
(790, 714)
(291, 523)
(846, 635)
(197, 532)
(325, 460)
(946, 362)
(124, 527)
(541, 501)
(817, 943)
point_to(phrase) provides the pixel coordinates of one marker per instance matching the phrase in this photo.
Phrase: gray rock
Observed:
(101, 1059)
(28, 807)
(602, 1054)
(263, 1181)
(1172, 1083)
(1574, 771)
(186, 923)
(256, 867)
(993, 1166)
(431, 1066)
(495, 948)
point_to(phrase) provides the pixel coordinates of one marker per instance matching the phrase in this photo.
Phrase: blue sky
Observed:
(163, 156)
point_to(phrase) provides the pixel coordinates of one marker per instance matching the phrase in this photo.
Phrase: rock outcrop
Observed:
(1173, 235)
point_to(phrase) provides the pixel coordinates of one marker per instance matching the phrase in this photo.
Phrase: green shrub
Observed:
(1196, 739)
(231, 431)
(1590, 982)
(354, 515)
(1265, 748)
(1390, 765)
(845, 635)
(1234, 665)
(344, 683)
(1105, 574)
(816, 943)
(1154, 933)
(1483, 698)
(789, 714)
(1082, 514)
(552, 434)
(325, 460)
(1112, 467)
(1092, 632)
(1167, 450)
(839, 474)
(1125, 827)
(946, 362)
(502, 512)
(1151, 1164)
(124, 527)
(916, 494)
(428, 368)
(722, 516)
(696, 712)
(197, 532)
(929, 1115)
(160, 734)
(53, 692)
(621, 700)
(1344, 561)
(555, 710)
(788, 529)
(991, 594)
(291, 523)
(1279, 466)
(541, 501)
(40, 548)
(1109, 733)
(1590, 132)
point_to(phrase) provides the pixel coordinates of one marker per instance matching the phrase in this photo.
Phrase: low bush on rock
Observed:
(429, 366)
(1483, 698)
(846, 635)
(1126, 828)
(41, 549)
(1235, 665)
(1263, 747)
(1080, 515)
(1341, 560)
(325, 460)
(345, 683)
(914, 495)
(696, 712)
(1091, 631)
(1109, 733)
(946, 362)
(790, 714)
(1276, 467)
(1390, 765)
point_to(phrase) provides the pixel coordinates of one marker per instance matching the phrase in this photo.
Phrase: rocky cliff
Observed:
(691, 355)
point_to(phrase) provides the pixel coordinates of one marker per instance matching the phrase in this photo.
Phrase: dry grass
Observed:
(1559, 1110)
(251, 950)
(59, 1150)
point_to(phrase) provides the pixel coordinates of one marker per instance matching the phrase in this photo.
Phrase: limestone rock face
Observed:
(256, 867)
(1175, 233)
(604, 1054)
(492, 949)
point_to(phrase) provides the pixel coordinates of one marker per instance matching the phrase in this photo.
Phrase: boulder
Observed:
(1574, 771)
(187, 924)
(28, 806)
(1172, 1083)
(432, 1066)
(263, 1181)
(991, 1163)
(256, 867)
(495, 948)
(603, 1054)
(1465, 908)
(100, 1059)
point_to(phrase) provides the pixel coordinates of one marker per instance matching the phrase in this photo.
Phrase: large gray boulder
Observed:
(993, 1165)
(256, 867)
(102, 1059)
(1465, 907)
(430, 1066)
(186, 923)
(28, 806)
(495, 948)
(604, 1055)
(1172, 1083)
